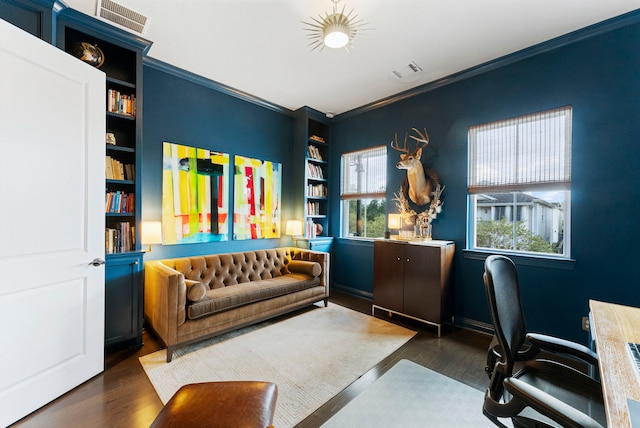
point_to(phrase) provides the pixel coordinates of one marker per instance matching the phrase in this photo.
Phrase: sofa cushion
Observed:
(233, 296)
(308, 268)
(195, 290)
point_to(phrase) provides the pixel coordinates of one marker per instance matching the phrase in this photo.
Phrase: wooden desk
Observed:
(612, 327)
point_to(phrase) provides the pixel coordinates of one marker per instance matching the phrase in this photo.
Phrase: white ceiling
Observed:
(260, 47)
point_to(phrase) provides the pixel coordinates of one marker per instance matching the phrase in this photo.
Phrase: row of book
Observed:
(313, 208)
(120, 103)
(310, 231)
(120, 239)
(317, 191)
(120, 202)
(317, 138)
(314, 171)
(116, 170)
(314, 153)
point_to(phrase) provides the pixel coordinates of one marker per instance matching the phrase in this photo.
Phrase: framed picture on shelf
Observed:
(195, 195)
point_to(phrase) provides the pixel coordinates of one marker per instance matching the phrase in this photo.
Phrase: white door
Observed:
(52, 130)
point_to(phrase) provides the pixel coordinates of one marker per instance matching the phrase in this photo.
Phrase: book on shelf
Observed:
(316, 138)
(120, 238)
(116, 170)
(119, 202)
(120, 103)
(314, 171)
(313, 208)
(317, 191)
(314, 153)
(310, 229)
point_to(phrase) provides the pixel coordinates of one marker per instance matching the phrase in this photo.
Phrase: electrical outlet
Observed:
(585, 323)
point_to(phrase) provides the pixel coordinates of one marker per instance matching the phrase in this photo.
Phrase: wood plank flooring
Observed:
(122, 395)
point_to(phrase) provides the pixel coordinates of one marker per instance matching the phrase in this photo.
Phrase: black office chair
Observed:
(542, 391)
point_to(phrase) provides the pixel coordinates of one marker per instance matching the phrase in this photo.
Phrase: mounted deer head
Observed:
(419, 187)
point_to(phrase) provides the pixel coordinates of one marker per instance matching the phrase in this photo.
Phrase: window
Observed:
(364, 185)
(519, 184)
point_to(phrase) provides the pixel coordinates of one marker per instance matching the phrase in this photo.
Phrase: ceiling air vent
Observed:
(122, 16)
(408, 70)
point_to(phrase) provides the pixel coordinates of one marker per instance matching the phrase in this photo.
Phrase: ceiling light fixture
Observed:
(335, 30)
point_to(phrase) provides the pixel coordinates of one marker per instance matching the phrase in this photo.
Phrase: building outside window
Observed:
(363, 192)
(519, 184)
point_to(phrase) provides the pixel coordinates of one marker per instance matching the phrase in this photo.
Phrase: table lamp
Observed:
(393, 222)
(294, 228)
(151, 233)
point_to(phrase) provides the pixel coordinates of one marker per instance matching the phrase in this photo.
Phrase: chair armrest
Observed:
(548, 405)
(555, 344)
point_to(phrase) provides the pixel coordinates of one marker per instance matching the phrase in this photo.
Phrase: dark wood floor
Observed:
(122, 395)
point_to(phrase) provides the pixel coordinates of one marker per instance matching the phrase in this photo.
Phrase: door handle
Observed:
(96, 262)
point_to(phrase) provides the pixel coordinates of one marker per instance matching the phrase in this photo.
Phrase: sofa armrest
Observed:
(320, 257)
(165, 294)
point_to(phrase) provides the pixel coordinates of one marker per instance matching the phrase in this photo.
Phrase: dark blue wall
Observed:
(182, 111)
(600, 77)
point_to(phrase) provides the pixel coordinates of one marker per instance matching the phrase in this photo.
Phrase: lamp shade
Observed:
(336, 32)
(293, 228)
(394, 221)
(151, 232)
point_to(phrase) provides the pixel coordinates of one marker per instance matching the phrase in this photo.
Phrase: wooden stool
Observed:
(236, 404)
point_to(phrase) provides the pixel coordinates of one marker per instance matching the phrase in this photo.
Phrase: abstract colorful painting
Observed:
(256, 208)
(195, 195)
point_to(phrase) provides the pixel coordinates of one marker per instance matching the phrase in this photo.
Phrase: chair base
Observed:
(220, 404)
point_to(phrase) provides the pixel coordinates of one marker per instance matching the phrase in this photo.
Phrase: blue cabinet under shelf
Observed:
(123, 300)
(316, 244)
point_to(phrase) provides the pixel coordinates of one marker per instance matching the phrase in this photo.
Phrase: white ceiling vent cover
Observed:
(407, 71)
(122, 16)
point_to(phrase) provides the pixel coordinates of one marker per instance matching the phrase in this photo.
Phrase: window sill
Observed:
(544, 261)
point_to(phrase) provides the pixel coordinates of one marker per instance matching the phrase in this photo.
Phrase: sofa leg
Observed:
(169, 354)
(326, 302)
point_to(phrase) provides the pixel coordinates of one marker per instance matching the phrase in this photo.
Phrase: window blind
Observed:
(527, 152)
(364, 173)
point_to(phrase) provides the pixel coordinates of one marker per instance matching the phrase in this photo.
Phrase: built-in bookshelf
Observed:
(118, 54)
(120, 63)
(311, 153)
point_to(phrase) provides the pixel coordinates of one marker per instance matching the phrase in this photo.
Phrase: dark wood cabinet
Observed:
(413, 279)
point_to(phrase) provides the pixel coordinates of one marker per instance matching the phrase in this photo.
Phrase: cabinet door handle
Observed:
(408, 259)
(398, 258)
(96, 262)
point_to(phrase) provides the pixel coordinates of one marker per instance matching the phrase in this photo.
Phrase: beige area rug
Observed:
(311, 357)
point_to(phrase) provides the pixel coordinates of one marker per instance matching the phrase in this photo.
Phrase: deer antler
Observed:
(401, 149)
(423, 138)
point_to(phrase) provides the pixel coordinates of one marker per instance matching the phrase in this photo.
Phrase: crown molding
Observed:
(212, 84)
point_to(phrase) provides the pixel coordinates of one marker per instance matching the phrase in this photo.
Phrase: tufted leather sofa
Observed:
(193, 298)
